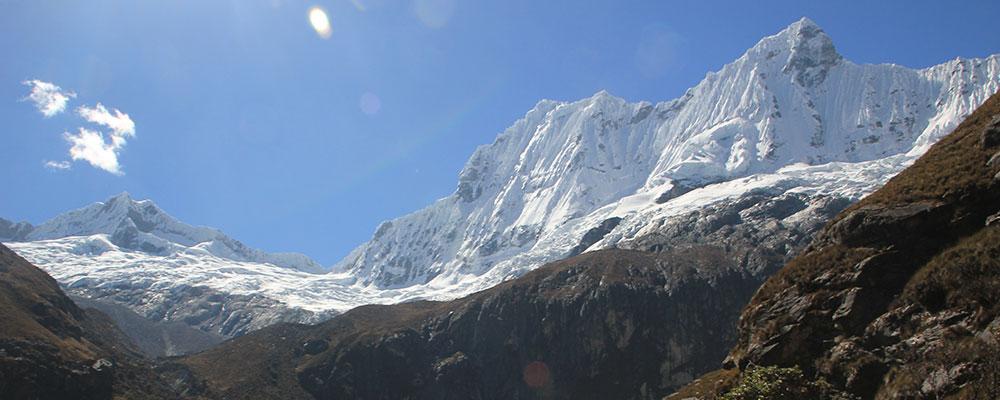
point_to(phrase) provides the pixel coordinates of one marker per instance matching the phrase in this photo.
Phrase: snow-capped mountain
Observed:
(141, 225)
(790, 125)
(133, 253)
(791, 113)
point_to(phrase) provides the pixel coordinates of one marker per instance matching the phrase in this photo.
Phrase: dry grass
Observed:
(965, 276)
(34, 309)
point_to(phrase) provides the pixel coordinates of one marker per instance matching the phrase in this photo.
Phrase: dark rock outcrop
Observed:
(760, 231)
(594, 235)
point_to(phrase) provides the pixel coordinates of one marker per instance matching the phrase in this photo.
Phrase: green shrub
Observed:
(777, 383)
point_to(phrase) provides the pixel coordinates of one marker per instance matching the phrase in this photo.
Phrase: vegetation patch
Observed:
(776, 383)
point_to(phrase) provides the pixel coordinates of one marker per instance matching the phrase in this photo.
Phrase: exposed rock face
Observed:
(594, 235)
(14, 231)
(761, 231)
(211, 311)
(608, 324)
(900, 296)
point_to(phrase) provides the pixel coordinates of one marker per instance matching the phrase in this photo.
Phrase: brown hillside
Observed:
(52, 349)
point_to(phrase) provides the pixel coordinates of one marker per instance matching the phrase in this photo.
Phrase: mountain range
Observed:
(758, 155)
(737, 229)
(897, 297)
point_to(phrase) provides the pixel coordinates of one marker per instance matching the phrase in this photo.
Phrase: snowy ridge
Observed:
(95, 262)
(790, 116)
(144, 227)
(789, 113)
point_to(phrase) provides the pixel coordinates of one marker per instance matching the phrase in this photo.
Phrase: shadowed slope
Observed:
(608, 324)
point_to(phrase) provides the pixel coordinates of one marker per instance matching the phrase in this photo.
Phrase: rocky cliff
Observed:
(899, 297)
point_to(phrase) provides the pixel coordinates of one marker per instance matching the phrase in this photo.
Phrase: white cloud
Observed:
(57, 165)
(48, 98)
(120, 123)
(99, 149)
(90, 146)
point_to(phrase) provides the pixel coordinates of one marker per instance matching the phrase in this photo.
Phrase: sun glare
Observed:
(319, 21)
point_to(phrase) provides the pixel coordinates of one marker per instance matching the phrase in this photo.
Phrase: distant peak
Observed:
(602, 93)
(804, 23)
(604, 98)
(801, 34)
(120, 197)
(805, 32)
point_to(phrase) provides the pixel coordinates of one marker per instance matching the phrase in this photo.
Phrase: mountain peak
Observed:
(118, 204)
(803, 31)
(803, 23)
(141, 225)
(806, 50)
(603, 93)
(123, 196)
(603, 98)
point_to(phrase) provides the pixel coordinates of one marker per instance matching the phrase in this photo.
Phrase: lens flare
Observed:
(320, 22)
(434, 13)
(656, 50)
(536, 374)
(370, 104)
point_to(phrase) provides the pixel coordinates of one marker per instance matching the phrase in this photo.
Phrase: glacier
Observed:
(790, 117)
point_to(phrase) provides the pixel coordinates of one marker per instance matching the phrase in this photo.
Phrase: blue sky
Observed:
(248, 120)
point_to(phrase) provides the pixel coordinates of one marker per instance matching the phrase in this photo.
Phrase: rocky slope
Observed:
(52, 349)
(607, 324)
(155, 338)
(899, 297)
